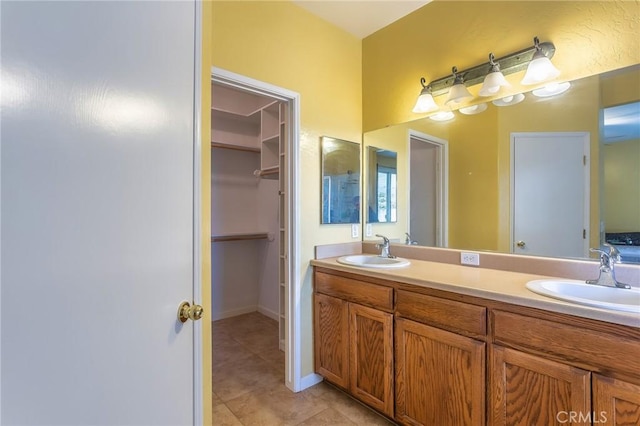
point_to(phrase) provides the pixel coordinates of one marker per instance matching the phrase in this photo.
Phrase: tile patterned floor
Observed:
(248, 382)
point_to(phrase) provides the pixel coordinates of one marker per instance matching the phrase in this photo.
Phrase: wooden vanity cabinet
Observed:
(353, 323)
(440, 369)
(462, 360)
(562, 370)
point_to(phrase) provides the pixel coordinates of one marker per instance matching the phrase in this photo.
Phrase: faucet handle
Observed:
(385, 240)
(614, 253)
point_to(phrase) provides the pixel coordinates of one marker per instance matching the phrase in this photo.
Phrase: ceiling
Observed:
(361, 17)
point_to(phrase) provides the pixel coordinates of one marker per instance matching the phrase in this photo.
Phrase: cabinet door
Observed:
(371, 357)
(440, 376)
(529, 390)
(331, 323)
(615, 402)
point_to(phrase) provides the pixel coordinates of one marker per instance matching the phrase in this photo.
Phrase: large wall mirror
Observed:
(340, 181)
(480, 191)
(382, 185)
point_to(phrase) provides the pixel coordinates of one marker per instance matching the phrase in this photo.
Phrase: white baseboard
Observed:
(233, 312)
(268, 312)
(309, 380)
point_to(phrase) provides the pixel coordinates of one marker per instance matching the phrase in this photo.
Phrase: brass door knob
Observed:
(521, 244)
(188, 312)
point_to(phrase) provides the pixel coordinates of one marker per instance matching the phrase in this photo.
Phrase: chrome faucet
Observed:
(608, 260)
(408, 241)
(384, 247)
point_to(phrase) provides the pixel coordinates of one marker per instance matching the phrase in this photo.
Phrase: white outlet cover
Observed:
(354, 230)
(368, 230)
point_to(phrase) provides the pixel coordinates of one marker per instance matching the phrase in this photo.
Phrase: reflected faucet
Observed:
(408, 241)
(384, 247)
(608, 259)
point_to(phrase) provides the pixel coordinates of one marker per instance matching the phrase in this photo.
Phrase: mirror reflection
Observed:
(479, 192)
(382, 185)
(340, 181)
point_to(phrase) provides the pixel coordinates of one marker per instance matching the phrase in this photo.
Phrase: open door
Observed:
(97, 218)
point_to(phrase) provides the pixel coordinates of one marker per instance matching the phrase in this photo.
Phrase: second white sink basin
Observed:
(618, 299)
(373, 261)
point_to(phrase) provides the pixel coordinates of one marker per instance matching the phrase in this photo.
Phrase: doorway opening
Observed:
(255, 128)
(428, 189)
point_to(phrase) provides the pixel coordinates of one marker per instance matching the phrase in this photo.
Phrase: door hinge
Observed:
(584, 160)
(584, 234)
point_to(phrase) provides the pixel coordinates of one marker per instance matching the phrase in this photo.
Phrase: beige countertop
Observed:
(503, 286)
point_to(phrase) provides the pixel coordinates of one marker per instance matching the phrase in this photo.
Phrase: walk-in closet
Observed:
(248, 217)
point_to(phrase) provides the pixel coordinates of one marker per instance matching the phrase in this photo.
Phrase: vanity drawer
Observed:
(610, 347)
(447, 314)
(363, 293)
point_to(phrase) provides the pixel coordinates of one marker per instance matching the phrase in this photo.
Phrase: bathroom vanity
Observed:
(444, 344)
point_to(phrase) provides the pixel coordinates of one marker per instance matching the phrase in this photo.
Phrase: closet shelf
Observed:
(242, 236)
(234, 147)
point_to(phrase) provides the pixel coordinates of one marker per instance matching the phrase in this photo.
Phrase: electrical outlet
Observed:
(467, 258)
(368, 230)
(354, 230)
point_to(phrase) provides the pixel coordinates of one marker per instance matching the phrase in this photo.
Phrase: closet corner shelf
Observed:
(242, 236)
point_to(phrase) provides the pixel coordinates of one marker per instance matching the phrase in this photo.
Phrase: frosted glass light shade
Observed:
(540, 69)
(509, 100)
(474, 109)
(458, 93)
(492, 83)
(425, 103)
(442, 116)
(552, 89)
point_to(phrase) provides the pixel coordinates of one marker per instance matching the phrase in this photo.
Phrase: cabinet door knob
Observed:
(521, 244)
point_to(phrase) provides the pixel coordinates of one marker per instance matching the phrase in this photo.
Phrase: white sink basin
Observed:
(618, 299)
(373, 261)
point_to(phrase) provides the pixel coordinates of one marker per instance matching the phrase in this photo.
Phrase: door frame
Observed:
(586, 147)
(198, 358)
(293, 288)
(442, 184)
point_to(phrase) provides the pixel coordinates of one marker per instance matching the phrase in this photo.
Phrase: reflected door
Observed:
(427, 190)
(550, 194)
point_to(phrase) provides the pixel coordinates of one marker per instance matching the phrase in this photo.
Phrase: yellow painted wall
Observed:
(205, 225)
(622, 186)
(473, 181)
(590, 37)
(283, 44)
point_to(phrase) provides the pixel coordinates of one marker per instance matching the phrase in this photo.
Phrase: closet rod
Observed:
(265, 172)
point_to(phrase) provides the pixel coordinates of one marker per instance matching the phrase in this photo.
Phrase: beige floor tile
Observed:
(222, 416)
(276, 406)
(248, 382)
(235, 378)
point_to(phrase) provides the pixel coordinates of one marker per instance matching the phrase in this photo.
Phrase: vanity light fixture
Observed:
(474, 109)
(540, 53)
(458, 91)
(425, 101)
(540, 68)
(494, 80)
(552, 89)
(509, 100)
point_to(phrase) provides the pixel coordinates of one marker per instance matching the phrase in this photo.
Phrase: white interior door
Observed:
(427, 189)
(97, 212)
(550, 194)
